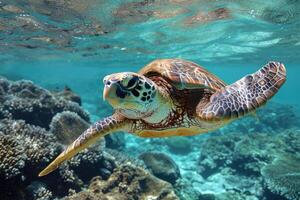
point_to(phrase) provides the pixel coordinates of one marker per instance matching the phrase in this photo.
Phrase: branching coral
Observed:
(127, 182)
(68, 94)
(283, 176)
(37, 106)
(38, 146)
(24, 150)
(95, 160)
(39, 191)
(12, 157)
(246, 154)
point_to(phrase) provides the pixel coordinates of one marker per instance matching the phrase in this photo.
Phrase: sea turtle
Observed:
(175, 97)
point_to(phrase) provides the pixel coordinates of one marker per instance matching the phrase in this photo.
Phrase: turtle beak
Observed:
(109, 86)
(105, 93)
(109, 92)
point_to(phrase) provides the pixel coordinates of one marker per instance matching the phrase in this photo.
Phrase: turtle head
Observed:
(133, 95)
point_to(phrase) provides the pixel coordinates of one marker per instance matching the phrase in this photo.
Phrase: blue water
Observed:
(77, 43)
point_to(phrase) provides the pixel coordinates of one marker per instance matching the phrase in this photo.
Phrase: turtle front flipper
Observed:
(90, 136)
(245, 95)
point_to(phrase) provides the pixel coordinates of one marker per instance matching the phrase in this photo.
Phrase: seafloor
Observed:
(253, 158)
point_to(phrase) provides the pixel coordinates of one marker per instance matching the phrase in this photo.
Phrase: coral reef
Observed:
(38, 145)
(246, 154)
(127, 182)
(268, 119)
(250, 155)
(283, 176)
(12, 157)
(91, 162)
(37, 106)
(38, 191)
(34, 125)
(161, 165)
(67, 126)
(26, 146)
(24, 150)
(68, 94)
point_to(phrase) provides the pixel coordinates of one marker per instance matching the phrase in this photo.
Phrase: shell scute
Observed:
(183, 74)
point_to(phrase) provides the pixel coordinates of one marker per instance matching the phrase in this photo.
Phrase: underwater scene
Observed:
(149, 100)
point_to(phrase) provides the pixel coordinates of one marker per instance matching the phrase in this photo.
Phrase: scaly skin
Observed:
(153, 104)
(90, 136)
(245, 95)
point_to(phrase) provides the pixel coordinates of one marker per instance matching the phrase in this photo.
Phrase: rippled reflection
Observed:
(94, 29)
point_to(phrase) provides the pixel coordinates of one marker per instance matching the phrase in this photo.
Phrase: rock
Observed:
(67, 126)
(179, 145)
(207, 197)
(127, 182)
(161, 165)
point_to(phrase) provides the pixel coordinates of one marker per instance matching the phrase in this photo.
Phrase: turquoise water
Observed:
(76, 43)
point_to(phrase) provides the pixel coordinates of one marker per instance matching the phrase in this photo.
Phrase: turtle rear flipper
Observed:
(245, 95)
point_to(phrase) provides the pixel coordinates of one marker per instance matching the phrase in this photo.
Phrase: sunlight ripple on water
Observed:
(206, 30)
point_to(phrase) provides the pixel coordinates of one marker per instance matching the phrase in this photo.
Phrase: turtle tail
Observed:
(90, 136)
(245, 95)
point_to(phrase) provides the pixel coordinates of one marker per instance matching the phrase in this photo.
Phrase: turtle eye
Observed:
(132, 83)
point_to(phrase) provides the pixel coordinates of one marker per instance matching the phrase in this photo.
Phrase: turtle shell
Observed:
(183, 74)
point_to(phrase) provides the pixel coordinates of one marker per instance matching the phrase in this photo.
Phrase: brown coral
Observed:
(67, 126)
(37, 106)
(12, 157)
(283, 176)
(37, 144)
(127, 182)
